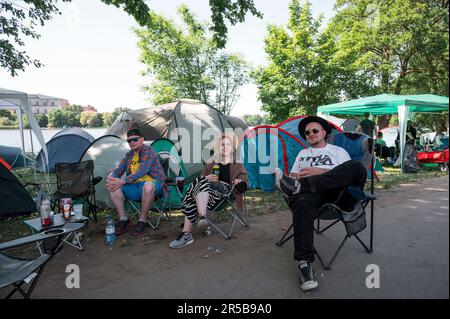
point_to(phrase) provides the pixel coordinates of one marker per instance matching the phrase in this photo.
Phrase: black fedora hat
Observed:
(305, 121)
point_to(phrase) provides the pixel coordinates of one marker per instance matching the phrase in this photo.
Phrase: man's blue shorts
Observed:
(134, 191)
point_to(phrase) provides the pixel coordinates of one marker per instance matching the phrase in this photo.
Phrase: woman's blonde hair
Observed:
(217, 144)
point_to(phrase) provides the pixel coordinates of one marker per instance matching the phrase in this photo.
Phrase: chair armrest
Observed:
(359, 194)
(241, 187)
(52, 232)
(96, 180)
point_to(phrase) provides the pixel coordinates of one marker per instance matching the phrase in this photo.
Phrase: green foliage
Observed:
(256, 119)
(403, 44)
(186, 63)
(91, 119)
(6, 122)
(74, 108)
(58, 118)
(234, 11)
(301, 74)
(8, 114)
(42, 120)
(107, 119)
(19, 20)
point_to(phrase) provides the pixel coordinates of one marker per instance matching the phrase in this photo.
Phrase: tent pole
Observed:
(402, 119)
(22, 140)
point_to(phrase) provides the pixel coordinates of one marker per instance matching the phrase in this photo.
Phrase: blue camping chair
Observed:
(361, 148)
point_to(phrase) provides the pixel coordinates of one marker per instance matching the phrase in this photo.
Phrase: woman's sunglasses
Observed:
(134, 139)
(314, 130)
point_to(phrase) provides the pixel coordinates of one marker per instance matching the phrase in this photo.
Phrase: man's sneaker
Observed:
(122, 226)
(202, 223)
(285, 184)
(138, 229)
(307, 276)
(182, 240)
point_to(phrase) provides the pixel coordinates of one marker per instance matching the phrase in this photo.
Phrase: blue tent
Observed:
(66, 146)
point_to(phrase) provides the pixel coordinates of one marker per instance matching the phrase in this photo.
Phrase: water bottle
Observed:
(110, 231)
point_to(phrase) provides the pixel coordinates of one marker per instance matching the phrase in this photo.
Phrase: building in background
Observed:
(44, 104)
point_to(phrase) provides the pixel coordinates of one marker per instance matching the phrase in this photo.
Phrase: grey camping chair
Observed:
(351, 203)
(227, 208)
(16, 272)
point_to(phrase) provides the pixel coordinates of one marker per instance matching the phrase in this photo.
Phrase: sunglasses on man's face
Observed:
(134, 139)
(314, 130)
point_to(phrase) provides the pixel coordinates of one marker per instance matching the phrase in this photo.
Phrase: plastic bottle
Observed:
(45, 211)
(110, 231)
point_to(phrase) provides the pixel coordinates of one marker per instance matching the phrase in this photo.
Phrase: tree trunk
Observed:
(383, 121)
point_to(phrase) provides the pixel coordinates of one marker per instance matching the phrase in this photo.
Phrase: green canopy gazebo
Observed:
(390, 104)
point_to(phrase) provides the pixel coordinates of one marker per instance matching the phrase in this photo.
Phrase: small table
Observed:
(73, 239)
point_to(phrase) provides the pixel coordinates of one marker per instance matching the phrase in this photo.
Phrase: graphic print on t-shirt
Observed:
(327, 157)
(320, 160)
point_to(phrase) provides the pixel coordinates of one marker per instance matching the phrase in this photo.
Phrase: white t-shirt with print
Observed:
(327, 157)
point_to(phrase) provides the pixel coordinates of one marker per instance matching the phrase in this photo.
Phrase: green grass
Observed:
(392, 176)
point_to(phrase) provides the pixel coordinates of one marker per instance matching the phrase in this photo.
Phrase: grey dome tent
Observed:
(66, 146)
(191, 125)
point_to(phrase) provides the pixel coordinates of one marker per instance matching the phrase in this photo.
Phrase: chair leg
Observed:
(337, 252)
(364, 245)
(285, 237)
(320, 260)
(326, 228)
(27, 294)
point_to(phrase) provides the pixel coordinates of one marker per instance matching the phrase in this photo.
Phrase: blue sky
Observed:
(91, 57)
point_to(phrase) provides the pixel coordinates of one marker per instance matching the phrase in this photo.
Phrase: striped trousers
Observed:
(200, 184)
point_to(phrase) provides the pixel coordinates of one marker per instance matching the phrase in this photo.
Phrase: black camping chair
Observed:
(16, 272)
(159, 204)
(227, 208)
(77, 181)
(353, 216)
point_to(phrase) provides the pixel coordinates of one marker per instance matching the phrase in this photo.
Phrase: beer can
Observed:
(216, 169)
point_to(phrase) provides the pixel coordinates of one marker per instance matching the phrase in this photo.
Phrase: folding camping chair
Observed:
(16, 272)
(159, 205)
(77, 181)
(360, 148)
(227, 208)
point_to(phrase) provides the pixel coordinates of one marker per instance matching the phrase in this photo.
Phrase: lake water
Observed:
(12, 137)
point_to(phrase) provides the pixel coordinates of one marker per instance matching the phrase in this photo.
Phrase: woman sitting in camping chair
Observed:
(220, 177)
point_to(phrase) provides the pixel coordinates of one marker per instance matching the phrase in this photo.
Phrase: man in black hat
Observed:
(143, 181)
(318, 175)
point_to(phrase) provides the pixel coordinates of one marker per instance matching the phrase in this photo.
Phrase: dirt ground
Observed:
(249, 265)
